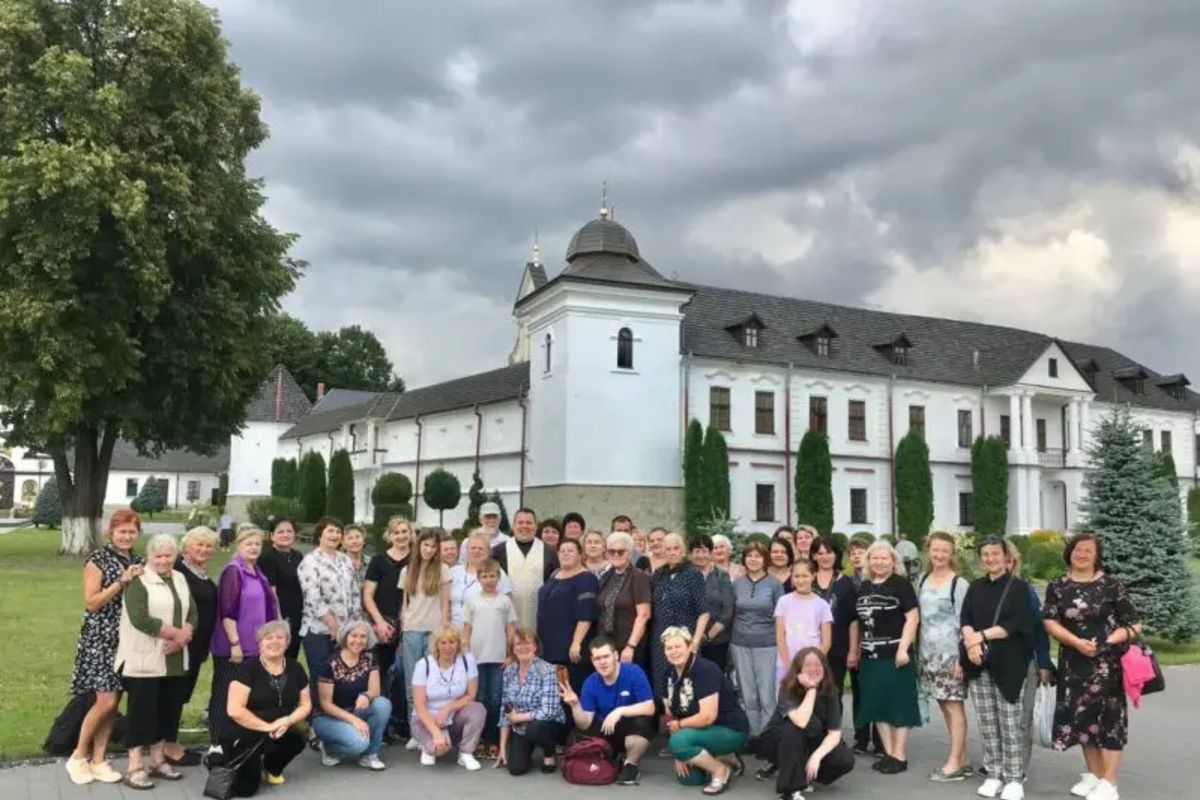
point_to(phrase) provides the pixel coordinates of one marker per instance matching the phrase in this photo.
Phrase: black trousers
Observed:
(867, 734)
(644, 727)
(293, 617)
(272, 756)
(788, 748)
(193, 675)
(154, 708)
(538, 735)
(717, 653)
(219, 725)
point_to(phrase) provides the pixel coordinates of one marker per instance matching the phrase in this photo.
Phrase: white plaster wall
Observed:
(250, 456)
(177, 482)
(1068, 379)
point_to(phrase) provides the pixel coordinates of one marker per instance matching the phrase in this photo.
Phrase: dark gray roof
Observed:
(538, 273)
(126, 457)
(279, 399)
(942, 350)
(494, 386)
(332, 419)
(1109, 364)
(340, 398)
(602, 235)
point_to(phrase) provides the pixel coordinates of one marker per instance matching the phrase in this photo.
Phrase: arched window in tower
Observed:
(549, 346)
(624, 349)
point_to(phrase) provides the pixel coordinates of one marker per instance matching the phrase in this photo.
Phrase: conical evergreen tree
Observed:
(914, 489)
(475, 498)
(339, 494)
(695, 505)
(814, 483)
(716, 475)
(989, 485)
(1138, 516)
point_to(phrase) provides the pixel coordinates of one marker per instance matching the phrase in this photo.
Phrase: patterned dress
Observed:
(97, 651)
(1091, 708)
(679, 598)
(941, 632)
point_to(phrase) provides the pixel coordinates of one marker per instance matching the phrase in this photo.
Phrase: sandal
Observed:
(166, 772)
(717, 786)
(138, 779)
(738, 766)
(549, 766)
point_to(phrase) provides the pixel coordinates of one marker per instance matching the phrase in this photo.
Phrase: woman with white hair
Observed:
(624, 600)
(352, 713)
(157, 621)
(464, 577)
(722, 556)
(680, 599)
(195, 549)
(881, 640)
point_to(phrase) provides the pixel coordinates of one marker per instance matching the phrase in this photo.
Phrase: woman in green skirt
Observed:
(881, 638)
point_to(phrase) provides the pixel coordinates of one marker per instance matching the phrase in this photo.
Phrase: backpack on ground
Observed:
(64, 731)
(589, 762)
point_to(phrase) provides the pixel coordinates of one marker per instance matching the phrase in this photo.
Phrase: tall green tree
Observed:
(716, 474)
(131, 238)
(283, 477)
(389, 498)
(1164, 468)
(47, 509)
(349, 358)
(442, 492)
(814, 483)
(914, 488)
(151, 498)
(989, 485)
(1138, 517)
(695, 500)
(311, 486)
(476, 497)
(339, 495)
(1193, 512)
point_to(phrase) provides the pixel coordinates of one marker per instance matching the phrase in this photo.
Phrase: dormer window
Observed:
(819, 340)
(625, 349)
(1174, 385)
(1133, 378)
(747, 331)
(897, 350)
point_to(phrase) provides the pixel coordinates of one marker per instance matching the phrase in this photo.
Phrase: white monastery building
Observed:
(612, 360)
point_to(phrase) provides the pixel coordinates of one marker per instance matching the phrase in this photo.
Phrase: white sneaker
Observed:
(1103, 791)
(469, 761)
(412, 745)
(1013, 791)
(80, 771)
(372, 762)
(989, 788)
(326, 759)
(1087, 782)
(427, 759)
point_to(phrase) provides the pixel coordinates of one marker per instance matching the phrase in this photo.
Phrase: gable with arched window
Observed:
(624, 349)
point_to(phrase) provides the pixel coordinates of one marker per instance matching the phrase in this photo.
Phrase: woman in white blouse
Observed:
(445, 712)
(463, 580)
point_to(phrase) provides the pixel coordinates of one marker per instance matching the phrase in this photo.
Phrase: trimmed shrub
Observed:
(695, 502)
(914, 489)
(389, 498)
(989, 485)
(1045, 561)
(263, 511)
(47, 508)
(339, 501)
(442, 493)
(283, 477)
(151, 498)
(842, 540)
(311, 486)
(476, 497)
(814, 483)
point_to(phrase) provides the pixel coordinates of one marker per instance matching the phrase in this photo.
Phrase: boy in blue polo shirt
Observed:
(617, 704)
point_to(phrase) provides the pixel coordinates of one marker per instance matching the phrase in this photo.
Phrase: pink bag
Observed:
(1137, 669)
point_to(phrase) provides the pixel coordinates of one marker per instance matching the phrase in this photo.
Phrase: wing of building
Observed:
(611, 359)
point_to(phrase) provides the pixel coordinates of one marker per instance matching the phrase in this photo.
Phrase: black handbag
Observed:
(221, 777)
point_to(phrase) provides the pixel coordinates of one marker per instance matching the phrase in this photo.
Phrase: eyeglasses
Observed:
(613, 551)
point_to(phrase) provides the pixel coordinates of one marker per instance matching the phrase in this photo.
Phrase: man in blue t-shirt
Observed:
(617, 704)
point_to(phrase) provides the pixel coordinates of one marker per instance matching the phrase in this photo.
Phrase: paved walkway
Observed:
(1162, 747)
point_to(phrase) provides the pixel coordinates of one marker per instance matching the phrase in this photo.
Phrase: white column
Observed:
(1014, 422)
(1073, 427)
(1085, 422)
(1027, 440)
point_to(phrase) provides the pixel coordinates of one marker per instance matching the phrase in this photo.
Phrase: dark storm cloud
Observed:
(830, 150)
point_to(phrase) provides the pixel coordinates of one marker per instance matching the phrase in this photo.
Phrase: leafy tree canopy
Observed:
(349, 358)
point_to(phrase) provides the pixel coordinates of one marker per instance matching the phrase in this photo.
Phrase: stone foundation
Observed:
(648, 506)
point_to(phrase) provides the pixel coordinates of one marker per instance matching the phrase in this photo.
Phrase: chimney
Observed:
(279, 395)
(320, 391)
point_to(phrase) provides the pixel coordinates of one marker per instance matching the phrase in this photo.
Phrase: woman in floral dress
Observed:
(1090, 614)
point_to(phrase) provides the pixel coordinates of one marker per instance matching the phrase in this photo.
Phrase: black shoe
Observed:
(739, 766)
(893, 766)
(190, 758)
(766, 773)
(880, 762)
(792, 796)
(861, 749)
(548, 767)
(630, 774)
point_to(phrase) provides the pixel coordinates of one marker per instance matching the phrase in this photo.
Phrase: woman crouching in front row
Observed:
(803, 739)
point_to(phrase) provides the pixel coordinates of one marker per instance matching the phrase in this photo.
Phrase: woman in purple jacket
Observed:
(245, 601)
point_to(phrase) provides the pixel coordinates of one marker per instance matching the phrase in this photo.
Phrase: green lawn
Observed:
(41, 600)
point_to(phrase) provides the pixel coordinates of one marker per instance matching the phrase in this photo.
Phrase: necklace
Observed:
(447, 679)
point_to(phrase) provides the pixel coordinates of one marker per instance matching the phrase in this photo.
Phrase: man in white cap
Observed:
(489, 520)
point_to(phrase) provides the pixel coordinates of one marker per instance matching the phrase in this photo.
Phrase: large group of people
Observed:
(513, 645)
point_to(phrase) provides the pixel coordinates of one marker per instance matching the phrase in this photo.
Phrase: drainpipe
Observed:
(787, 444)
(892, 449)
(478, 434)
(417, 481)
(983, 411)
(687, 391)
(524, 417)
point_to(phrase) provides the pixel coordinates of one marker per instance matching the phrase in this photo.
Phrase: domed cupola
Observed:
(603, 235)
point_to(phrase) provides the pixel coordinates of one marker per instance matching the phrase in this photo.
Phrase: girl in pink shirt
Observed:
(802, 618)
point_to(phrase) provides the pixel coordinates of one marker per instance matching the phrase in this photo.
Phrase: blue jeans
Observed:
(491, 691)
(318, 649)
(340, 738)
(414, 645)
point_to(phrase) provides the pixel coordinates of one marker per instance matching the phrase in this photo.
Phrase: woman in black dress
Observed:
(195, 549)
(109, 569)
(279, 564)
(1090, 614)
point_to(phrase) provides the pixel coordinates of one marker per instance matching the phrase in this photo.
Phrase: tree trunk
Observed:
(83, 487)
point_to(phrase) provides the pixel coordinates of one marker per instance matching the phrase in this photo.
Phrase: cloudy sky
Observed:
(1027, 163)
